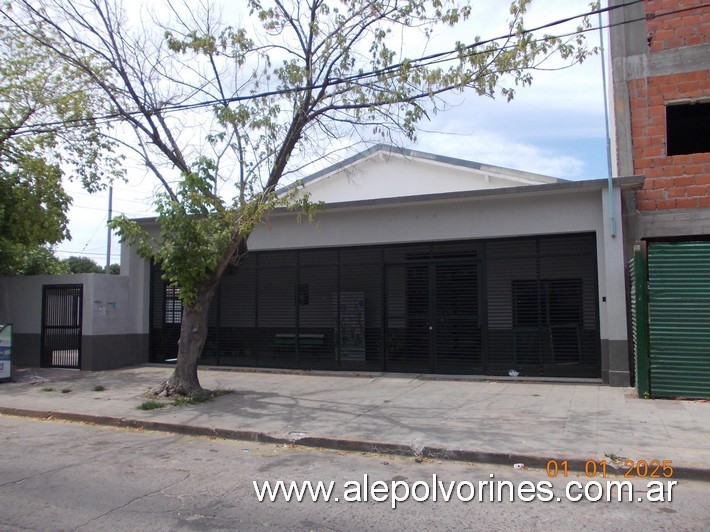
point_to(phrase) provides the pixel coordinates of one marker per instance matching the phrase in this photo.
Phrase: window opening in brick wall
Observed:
(688, 128)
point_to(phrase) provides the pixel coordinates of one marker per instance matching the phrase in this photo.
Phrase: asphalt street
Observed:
(66, 476)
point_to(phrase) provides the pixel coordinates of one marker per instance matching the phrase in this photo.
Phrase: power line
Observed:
(419, 62)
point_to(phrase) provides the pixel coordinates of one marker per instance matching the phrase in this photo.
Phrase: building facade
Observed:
(424, 264)
(660, 53)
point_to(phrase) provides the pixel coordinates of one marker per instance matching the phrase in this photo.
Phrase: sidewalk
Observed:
(473, 420)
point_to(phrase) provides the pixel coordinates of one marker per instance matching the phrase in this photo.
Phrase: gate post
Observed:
(640, 304)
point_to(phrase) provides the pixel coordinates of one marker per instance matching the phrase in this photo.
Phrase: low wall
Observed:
(108, 336)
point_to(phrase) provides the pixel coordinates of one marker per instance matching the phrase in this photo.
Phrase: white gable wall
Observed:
(392, 176)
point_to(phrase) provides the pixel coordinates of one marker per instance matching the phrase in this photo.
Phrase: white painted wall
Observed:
(508, 215)
(385, 176)
(106, 308)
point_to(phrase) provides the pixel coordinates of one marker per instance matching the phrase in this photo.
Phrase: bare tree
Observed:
(250, 104)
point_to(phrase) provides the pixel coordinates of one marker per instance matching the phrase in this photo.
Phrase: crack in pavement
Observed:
(170, 485)
(373, 407)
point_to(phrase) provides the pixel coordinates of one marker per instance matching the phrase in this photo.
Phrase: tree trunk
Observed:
(193, 329)
(193, 333)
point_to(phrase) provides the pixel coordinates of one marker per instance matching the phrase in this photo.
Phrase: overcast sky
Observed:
(556, 127)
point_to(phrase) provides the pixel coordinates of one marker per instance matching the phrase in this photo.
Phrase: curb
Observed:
(575, 464)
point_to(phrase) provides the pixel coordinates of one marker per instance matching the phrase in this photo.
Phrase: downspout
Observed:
(612, 210)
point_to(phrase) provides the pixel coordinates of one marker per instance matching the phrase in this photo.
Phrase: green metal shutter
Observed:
(639, 318)
(679, 319)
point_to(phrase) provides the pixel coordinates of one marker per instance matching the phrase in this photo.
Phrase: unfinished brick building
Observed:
(660, 52)
(661, 71)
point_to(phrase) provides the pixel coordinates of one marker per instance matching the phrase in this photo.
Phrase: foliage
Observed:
(46, 129)
(114, 269)
(151, 405)
(82, 265)
(18, 259)
(280, 89)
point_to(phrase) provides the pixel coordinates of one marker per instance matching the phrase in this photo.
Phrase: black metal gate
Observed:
(61, 325)
(433, 321)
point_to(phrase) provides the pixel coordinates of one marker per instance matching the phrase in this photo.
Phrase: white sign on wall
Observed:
(5, 352)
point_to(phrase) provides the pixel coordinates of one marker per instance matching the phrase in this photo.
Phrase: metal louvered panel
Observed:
(679, 319)
(408, 318)
(542, 306)
(457, 324)
(466, 307)
(62, 325)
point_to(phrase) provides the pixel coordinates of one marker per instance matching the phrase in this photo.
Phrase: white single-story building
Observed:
(419, 263)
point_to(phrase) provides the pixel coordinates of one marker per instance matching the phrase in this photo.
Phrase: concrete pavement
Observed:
(503, 422)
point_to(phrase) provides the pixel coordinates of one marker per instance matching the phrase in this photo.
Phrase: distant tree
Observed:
(22, 259)
(224, 113)
(82, 265)
(46, 129)
(114, 269)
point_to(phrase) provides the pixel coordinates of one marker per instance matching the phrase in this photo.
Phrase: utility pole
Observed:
(108, 236)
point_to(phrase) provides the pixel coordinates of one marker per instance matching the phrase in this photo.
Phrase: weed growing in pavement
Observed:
(98, 388)
(47, 389)
(151, 405)
(197, 399)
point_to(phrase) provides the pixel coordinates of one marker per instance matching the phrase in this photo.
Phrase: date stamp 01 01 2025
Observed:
(630, 468)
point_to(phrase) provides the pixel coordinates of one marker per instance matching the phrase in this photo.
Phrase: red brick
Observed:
(693, 169)
(646, 205)
(666, 204)
(656, 131)
(687, 203)
(695, 40)
(661, 182)
(658, 194)
(684, 181)
(653, 151)
(703, 179)
(654, 172)
(704, 202)
(697, 190)
(678, 192)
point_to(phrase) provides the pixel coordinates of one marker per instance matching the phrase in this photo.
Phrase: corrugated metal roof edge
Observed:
(628, 182)
(415, 154)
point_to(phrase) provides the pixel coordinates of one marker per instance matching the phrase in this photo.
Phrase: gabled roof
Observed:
(384, 171)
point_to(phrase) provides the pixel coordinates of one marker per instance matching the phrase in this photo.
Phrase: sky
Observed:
(555, 127)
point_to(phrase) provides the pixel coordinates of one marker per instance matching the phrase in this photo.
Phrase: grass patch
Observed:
(190, 400)
(66, 390)
(98, 388)
(47, 389)
(151, 405)
(197, 399)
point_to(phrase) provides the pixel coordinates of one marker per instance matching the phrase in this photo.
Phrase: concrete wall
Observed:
(110, 338)
(392, 176)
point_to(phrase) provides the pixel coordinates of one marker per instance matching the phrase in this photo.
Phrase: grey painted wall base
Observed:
(98, 353)
(113, 351)
(26, 349)
(616, 368)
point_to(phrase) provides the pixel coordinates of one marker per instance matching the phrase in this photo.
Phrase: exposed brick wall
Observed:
(686, 28)
(679, 181)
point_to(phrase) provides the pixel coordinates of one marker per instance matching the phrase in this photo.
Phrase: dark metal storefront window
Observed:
(173, 305)
(548, 317)
(471, 307)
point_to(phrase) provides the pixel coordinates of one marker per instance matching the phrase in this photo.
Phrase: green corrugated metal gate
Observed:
(675, 360)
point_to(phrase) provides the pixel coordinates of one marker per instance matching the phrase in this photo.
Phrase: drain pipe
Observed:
(612, 209)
